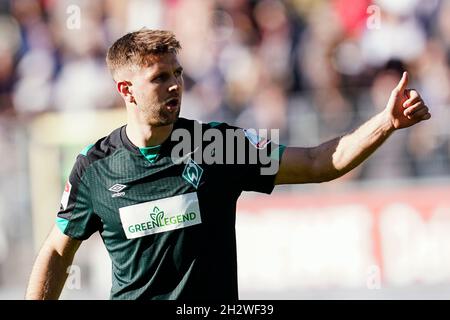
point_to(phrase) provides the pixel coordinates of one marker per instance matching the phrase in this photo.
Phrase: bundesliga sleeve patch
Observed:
(66, 194)
(257, 141)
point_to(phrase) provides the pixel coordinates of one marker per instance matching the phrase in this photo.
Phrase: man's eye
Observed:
(178, 73)
(159, 78)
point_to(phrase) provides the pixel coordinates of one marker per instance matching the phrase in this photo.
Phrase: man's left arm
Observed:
(338, 156)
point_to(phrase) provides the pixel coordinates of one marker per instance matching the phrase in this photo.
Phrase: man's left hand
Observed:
(405, 106)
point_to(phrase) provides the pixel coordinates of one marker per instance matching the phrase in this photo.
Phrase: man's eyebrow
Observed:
(155, 73)
(159, 72)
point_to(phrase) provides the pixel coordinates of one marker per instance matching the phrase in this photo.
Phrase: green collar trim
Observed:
(150, 153)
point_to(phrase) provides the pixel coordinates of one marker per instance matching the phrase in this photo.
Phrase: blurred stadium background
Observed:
(314, 69)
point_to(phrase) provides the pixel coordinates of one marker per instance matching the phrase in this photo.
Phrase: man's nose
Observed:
(175, 86)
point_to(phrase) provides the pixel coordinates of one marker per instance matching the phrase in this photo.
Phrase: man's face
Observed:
(157, 90)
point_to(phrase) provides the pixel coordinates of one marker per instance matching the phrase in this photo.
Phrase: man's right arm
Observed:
(336, 157)
(50, 268)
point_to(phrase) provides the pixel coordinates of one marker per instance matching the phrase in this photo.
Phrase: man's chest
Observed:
(169, 198)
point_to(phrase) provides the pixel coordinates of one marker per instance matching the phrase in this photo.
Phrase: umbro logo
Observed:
(116, 189)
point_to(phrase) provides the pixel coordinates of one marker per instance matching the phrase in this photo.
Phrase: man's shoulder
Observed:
(100, 149)
(190, 124)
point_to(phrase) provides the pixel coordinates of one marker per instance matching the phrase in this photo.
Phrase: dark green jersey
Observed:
(168, 224)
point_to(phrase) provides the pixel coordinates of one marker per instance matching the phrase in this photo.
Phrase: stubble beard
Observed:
(158, 116)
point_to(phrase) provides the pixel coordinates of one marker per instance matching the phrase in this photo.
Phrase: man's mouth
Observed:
(172, 104)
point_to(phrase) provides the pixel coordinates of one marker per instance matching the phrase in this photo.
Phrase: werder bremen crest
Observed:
(192, 173)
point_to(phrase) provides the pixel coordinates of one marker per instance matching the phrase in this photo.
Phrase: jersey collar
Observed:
(165, 146)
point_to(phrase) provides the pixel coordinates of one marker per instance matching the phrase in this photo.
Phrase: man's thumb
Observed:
(403, 82)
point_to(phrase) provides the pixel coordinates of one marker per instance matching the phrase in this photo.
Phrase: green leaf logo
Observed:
(156, 217)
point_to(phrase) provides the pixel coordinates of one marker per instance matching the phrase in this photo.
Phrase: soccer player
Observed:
(168, 222)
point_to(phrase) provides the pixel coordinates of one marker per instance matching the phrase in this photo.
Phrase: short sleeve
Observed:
(76, 217)
(254, 162)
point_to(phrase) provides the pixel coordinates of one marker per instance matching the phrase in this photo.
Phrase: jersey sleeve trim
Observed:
(277, 153)
(86, 150)
(62, 223)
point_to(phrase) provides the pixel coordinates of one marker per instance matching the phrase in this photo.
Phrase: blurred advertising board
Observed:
(365, 238)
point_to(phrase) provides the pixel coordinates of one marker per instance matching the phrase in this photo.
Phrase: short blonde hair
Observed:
(136, 49)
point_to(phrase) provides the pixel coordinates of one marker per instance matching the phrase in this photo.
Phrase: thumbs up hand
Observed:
(405, 106)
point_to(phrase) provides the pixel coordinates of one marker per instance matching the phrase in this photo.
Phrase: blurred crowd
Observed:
(312, 68)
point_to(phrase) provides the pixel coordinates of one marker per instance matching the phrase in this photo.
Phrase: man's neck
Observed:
(144, 135)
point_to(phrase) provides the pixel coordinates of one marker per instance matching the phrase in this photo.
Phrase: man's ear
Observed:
(124, 88)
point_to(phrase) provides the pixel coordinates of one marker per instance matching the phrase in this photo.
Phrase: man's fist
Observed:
(405, 106)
